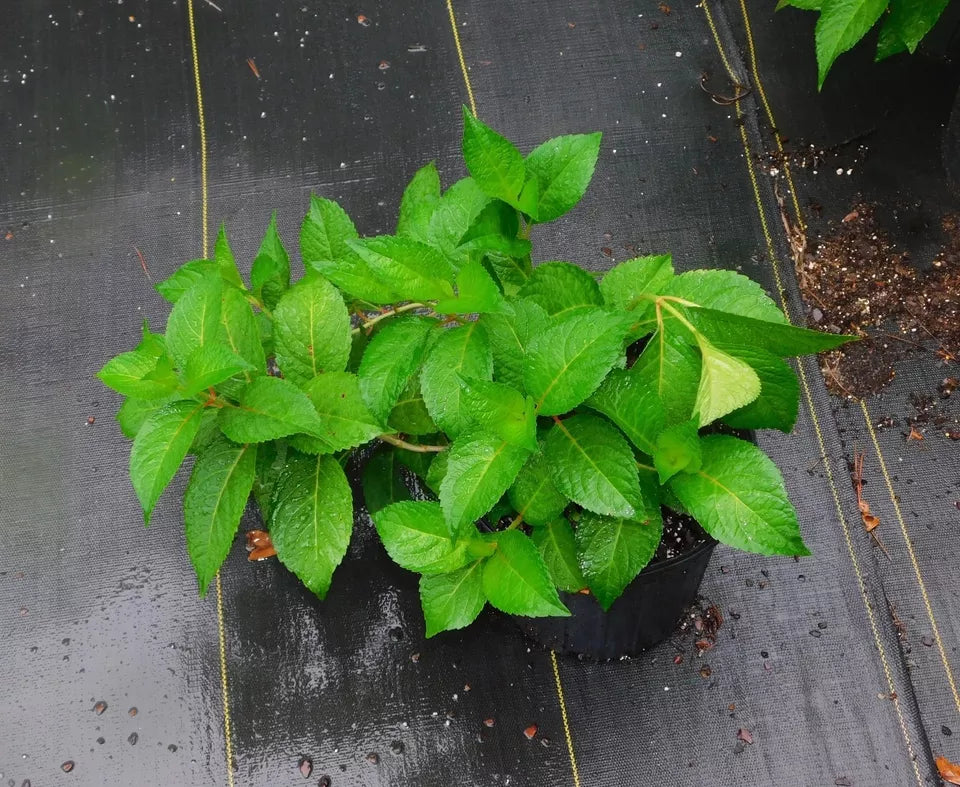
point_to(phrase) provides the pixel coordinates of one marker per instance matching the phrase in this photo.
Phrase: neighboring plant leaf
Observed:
(624, 285)
(420, 200)
(567, 362)
(500, 410)
(910, 21)
(842, 24)
(726, 291)
(593, 465)
(515, 579)
(677, 448)
(739, 498)
(325, 231)
(209, 366)
(311, 330)
(409, 415)
(626, 399)
(510, 332)
(383, 482)
(412, 269)
(312, 519)
(226, 263)
(563, 168)
(480, 468)
(270, 275)
(558, 548)
(613, 551)
(213, 503)
(726, 384)
(476, 293)
(494, 163)
(462, 351)
(390, 361)
(194, 320)
(414, 533)
(534, 495)
(345, 420)
(779, 400)
(159, 448)
(270, 407)
(184, 277)
(452, 601)
(670, 367)
(560, 288)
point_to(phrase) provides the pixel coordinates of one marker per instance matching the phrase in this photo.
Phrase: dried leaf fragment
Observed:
(259, 545)
(949, 771)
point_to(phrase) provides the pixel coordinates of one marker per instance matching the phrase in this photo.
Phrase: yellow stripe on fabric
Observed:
(781, 292)
(204, 194)
(461, 58)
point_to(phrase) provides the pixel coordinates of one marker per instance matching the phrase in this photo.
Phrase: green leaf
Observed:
(501, 410)
(493, 161)
(781, 339)
(510, 332)
(593, 465)
(390, 361)
(271, 460)
(561, 288)
(437, 471)
(911, 20)
(726, 384)
(480, 468)
(134, 412)
(352, 275)
(563, 168)
(313, 519)
(216, 496)
(677, 448)
(184, 277)
(779, 400)
(208, 432)
(452, 601)
(558, 548)
(420, 200)
(415, 534)
(226, 263)
(842, 24)
(476, 292)
(270, 407)
(383, 482)
(412, 269)
(528, 202)
(496, 219)
(511, 272)
(516, 581)
(325, 231)
(457, 212)
(726, 291)
(459, 352)
(670, 367)
(141, 373)
(613, 551)
(270, 275)
(159, 448)
(534, 496)
(627, 400)
(409, 414)
(624, 285)
(345, 420)
(739, 498)
(209, 366)
(311, 330)
(194, 320)
(805, 5)
(889, 42)
(567, 362)
(239, 330)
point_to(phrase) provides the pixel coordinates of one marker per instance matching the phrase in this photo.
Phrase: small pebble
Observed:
(705, 671)
(822, 624)
(67, 766)
(946, 730)
(101, 740)
(489, 722)
(90, 420)
(133, 738)
(816, 633)
(306, 767)
(397, 747)
(764, 654)
(530, 732)
(373, 758)
(843, 781)
(172, 748)
(100, 707)
(324, 781)
(132, 712)
(744, 735)
(927, 642)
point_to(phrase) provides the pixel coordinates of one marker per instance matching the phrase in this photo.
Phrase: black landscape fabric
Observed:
(835, 669)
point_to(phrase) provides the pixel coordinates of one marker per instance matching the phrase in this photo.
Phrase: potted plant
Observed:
(570, 417)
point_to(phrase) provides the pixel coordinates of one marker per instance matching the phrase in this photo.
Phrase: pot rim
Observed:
(707, 544)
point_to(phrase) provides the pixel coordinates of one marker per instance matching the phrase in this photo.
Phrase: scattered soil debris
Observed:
(100, 707)
(259, 545)
(530, 732)
(306, 767)
(67, 766)
(856, 281)
(744, 735)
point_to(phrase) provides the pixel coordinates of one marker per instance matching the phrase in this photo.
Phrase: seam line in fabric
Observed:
(221, 626)
(863, 406)
(781, 292)
(553, 656)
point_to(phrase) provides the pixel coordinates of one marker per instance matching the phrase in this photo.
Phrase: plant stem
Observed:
(518, 520)
(416, 447)
(251, 298)
(366, 324)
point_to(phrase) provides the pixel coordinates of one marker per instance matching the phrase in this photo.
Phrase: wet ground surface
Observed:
(833, 670)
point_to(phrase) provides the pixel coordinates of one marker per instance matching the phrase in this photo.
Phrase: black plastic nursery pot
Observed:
(645, 615)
